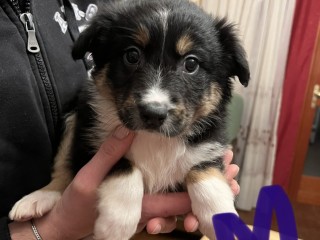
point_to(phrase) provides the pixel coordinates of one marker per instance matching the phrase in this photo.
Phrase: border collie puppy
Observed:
(164, 70)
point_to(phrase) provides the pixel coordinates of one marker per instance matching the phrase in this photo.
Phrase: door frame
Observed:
(297, 179)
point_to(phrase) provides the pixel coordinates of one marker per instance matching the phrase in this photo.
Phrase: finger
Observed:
(157, 205)
(113, 148)
(231, 172)
(235, 187)
(228, 157)
(191, 223)
(161, 225)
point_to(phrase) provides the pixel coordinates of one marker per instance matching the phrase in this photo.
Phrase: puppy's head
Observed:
(167, 64)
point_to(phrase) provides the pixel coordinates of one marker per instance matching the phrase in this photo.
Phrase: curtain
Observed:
(265, 28)
(306, 21)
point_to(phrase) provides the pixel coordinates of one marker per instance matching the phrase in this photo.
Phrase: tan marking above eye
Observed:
(142, 36)
(184, 44)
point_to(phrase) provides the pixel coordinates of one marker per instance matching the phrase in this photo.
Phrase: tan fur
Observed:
(142, 36)
(210, 101)
(39, 202)
(195, 176)
(179, 111)
(61, 175)
(184, 45)
(103, 103)
(102, 83)
(129, 102)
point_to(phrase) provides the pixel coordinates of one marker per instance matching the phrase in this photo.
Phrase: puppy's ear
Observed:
(235, 53)
(95, 38)
(241, 66)
(85, 42)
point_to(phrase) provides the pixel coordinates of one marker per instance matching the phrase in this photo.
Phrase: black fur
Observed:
(219, 53)
(164, 69)
(209, 164)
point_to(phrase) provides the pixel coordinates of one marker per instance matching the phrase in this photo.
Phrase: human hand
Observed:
(231, 171)
(160, 217)
(74, 214)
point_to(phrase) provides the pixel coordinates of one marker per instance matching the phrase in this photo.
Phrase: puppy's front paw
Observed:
(119, 206)
(210, 194)
(205, 210)
(34, 205)
(121, 228)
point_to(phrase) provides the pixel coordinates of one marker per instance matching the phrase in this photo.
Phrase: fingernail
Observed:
(195, 226)
(157, 229)
(238, 190)
(121, 133)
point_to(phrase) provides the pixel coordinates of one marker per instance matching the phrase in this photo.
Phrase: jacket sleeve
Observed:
(4, 229)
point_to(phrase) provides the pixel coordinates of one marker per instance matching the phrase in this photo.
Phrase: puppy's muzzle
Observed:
(153, 114)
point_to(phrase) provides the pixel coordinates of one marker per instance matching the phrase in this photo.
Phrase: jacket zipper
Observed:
(32, 43)
(26, 18)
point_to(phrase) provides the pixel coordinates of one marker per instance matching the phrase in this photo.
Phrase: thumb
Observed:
(113, 148)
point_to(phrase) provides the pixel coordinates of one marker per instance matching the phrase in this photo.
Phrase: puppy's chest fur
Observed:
(163, 161)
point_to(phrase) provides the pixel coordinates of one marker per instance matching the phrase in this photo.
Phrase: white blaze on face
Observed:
(156, 95)
(163, 17)
(163, 14)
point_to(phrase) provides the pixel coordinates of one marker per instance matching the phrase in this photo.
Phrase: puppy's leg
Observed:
(120, 201)
(210, 194)
(41, 201)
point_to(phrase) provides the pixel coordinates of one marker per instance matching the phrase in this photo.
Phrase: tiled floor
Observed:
(307, 219)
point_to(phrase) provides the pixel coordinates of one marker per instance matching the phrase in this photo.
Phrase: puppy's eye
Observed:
(191, 64)
(132, 56)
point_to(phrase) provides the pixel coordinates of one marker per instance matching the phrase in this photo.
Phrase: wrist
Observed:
(21, 231)
(47, 230)
(50, 229)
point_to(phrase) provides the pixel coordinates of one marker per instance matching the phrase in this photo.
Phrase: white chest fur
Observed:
(164, 162)
(161, 160)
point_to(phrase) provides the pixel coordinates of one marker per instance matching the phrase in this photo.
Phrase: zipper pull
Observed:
(27, 20)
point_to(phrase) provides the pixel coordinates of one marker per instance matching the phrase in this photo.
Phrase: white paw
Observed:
(107, 228)
(119, 207)
(34, 205)
(210, 197)
(205, 213)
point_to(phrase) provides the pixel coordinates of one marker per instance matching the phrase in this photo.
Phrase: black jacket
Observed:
(36, 90)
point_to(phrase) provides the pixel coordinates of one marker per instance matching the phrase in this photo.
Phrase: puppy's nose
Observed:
(153, 114)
